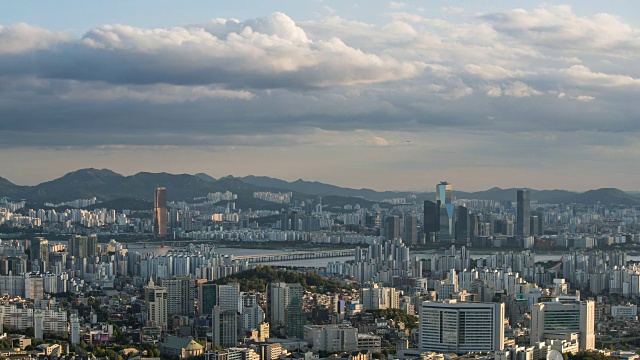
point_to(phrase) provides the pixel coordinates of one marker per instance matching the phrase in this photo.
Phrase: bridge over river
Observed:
(297, 255)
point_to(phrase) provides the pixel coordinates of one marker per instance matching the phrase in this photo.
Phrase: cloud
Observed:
(24, 37)
(271, 52)
(520, 89)
(275, 82)
(397, 5)
(560, 28)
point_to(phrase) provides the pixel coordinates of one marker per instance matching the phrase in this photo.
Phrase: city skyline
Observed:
(404, 94)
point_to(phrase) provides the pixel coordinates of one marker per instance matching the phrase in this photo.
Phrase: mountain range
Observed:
(107, 185)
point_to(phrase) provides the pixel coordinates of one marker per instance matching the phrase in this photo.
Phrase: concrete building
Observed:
(225, 327)
(332, 338)
(181, 295)
(558, 320)
(376, 296)
(156, 299)
(455, 327)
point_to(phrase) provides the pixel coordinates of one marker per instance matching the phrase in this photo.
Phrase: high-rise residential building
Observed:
(392, 227)
(251, 315)
(156, 299)
(560, 319)
(376, 296)
(160, 213)
(181, 295)
(522, 213)
(207, 298)
(284, 307)
(447, 211)
(452, 327)
(81, 247)
(431, 223)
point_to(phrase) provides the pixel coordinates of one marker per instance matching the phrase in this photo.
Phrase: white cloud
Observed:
(520, 89)
(24, 37)
(397, 5)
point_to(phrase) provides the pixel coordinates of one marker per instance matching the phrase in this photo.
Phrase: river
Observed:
(157, 249)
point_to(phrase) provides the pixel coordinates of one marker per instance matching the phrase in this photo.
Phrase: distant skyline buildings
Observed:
(160, 212)
(523, 211)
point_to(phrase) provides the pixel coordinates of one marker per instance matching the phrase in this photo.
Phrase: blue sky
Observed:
(403, 94)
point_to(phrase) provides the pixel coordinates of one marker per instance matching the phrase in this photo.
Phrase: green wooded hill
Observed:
(257, 279)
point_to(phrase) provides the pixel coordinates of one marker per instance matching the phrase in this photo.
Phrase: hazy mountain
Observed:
(9, 189)
(318, 188)
(205, 177)
(107, 185)
(604, 196)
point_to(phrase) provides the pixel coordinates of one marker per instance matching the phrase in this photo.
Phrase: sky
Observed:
(377, 94)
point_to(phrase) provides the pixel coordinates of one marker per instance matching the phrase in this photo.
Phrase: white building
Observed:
(332, 337)
(628, 311)
(558, 320)
(455, 327)
(156, 299)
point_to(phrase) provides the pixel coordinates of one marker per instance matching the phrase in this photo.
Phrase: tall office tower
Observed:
(540, 229)
(207, 298)
(558, 320)
(431, 223)
(295, 221)
(284, 307)
(39, 253)
(392, 228)
(534, 225)
(411, 229)
(225, 327)
(522, 214)
(284, 220)
(181, 295)
(447, 211)
(173, 218)
(229, 297)
(463, 224)
(452, 327)
(156, 298)
(77, 246)
(160, 213)
(92, 245)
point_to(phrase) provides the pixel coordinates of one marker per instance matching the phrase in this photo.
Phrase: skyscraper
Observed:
(522, 214)
(284, 307)
(431, 223)
(160, 213)
(447, 211)
(207, 298)
(39, 253)
(181, 295)
(463, 226)
(410, 229)
(392, 227)
(156, 298)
